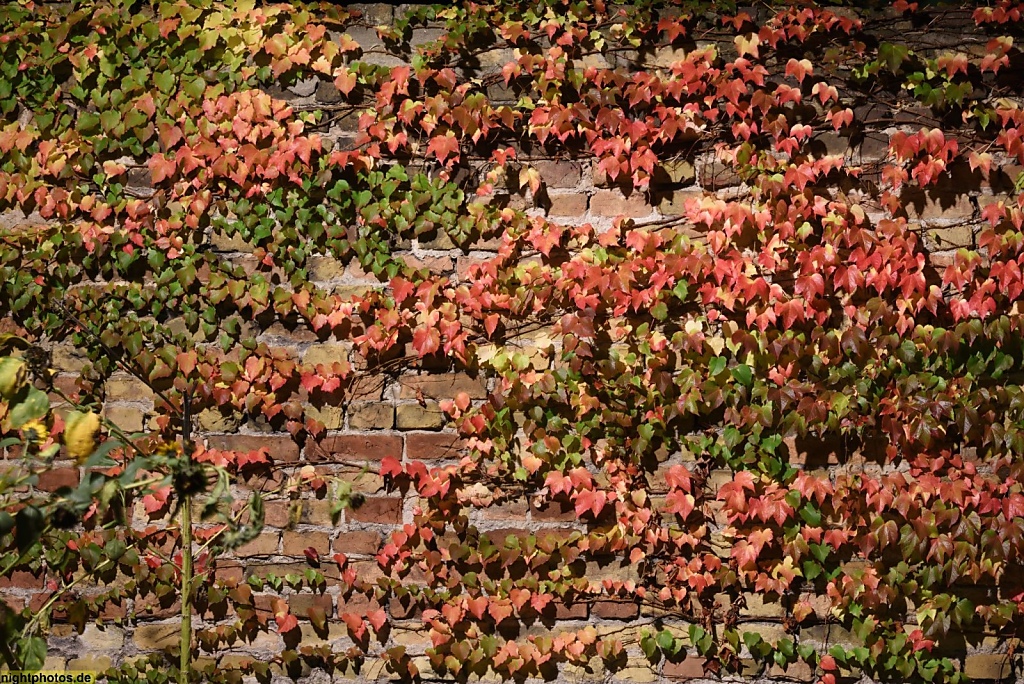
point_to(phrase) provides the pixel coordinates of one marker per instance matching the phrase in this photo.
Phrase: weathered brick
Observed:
(616, 610)
(988, 666)
(674, 203)
(55, 478)
(301, 603)
(216, 420)
(690, 667)
(638, 671)
(128, 418)
(440, 240)
(67, 358)
(354, 447)
(154, 637)
(375, 13)
(281, 447)
(21, 579)
(89, 663)
(416, 417)
(126, 388)
(377, 509)
(425, 446)
(358, 542)
(568, 205)
(511, 510)
(798, 671)
(559, 174)
(942, 200)
(108, 638)
(365, 388)
(951, 237)
(325, 354)
(322, 269)
(757, 607)
(371, 416)
(331, 417)
(569, 611)
(548, 511)
(613, 203)
(294, 543)
(157, 607)
(441, 386)
(264, 544)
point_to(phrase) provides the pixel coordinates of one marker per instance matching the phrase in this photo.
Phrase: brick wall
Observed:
(397, 414)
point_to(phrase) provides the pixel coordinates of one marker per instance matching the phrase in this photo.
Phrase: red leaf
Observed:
(426, 340)
(444, 146)
(187, 362)
(477, 606)
(390, 467)
(355, 625)
(160, 167)
(286, 622)
(376, 618)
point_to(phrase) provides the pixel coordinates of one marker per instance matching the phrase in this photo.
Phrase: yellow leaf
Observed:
(80, 432)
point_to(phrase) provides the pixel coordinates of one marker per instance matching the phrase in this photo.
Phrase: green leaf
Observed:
(649, 646)
(29, 404)
(716, 366)
(109, 119)
(32, 653)
(13, 372)
(743, 374)
(29, 525)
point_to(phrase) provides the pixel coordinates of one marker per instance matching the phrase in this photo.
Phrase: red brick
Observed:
(15, 603)
(281, 447)
(52, 480)
(359, 542)
(510, 510)
(616, 610)
(356, 603)
(277, 513)
(22, 579)
(403, 608)
(295, 543)
(264, 544)
(441, 386)
(568, 205)
(355, 447)
(573, 611)
(425, 446)
(690, 667)
(377, 509)
(152, 607)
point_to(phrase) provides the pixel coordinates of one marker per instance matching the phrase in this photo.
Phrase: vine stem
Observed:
(186, 590)
(186, 553)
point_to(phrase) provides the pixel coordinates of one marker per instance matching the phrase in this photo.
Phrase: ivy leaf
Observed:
(29, 404)
(33, 653)
(743, 374)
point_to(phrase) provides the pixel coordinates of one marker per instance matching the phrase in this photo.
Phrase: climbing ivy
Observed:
(671, 379)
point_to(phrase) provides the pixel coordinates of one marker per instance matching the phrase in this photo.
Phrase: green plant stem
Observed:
(186, 590)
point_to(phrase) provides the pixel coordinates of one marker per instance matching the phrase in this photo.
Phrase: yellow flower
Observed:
(169, 449)
(34, 432)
